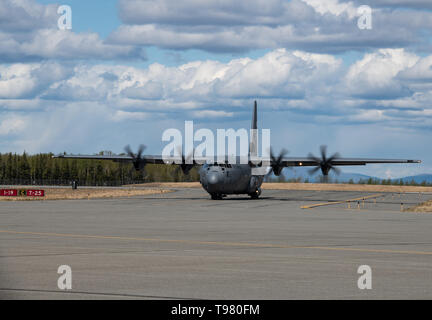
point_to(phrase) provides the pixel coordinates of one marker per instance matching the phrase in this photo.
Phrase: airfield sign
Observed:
(8, 192)
(21, 193)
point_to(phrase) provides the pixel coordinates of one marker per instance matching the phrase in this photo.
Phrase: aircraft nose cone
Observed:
(213, 178)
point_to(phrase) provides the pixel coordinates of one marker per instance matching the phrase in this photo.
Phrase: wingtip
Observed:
(414, 161)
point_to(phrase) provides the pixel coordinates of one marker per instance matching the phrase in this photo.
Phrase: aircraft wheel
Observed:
(215, 196)
(256, 194)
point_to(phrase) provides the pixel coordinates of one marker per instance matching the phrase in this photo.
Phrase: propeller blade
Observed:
(186, 164)
(140, 150)
(336, 170)
(137, 160)
(282, 155)
(335, 156)
(313, 158)
(324, 163)
(314, 170)
(128, 151)
(323, 150)
(190, 156)
(277, 163)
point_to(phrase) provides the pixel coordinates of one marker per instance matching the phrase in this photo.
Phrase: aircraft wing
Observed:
(285, 162)
(304, 161)
(152, 159)
(326, 164)
(117, 158)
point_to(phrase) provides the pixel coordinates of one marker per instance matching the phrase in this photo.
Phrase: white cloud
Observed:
(294, 80)
(419, 72)
(11, 125)
(26, 15)
(27, 80)
(374, 76)
(195, 12)
(120, 116)
(334, 7)
(413, 4)
(278, 74)
(16, 81)
(29, 32)
(151, 90)
(325, 26)
(212, 114)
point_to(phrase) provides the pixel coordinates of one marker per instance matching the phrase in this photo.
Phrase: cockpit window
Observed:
(222, 165)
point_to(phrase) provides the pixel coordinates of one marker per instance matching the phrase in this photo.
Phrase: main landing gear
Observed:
(219, 196)
(255, 194)
(216, 196)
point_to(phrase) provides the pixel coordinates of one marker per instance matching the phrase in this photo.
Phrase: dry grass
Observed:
(422, 207)
(344, 187)
(303, 186)
(87, 193)
(167, 185)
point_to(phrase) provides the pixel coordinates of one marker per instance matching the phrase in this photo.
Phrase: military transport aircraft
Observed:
(220, 179)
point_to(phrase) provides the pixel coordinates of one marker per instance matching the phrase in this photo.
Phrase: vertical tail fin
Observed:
(254, 116)
(253, 146)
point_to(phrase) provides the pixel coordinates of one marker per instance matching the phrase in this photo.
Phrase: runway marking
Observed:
(96, 294)
(341, 201)
(217, 243)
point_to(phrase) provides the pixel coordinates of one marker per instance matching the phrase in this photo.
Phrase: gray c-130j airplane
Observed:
(221, 179)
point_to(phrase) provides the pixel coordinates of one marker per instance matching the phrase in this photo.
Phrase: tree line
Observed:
(24, 169)
(370, 181)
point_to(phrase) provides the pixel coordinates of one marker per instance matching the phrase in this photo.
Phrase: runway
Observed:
(182, 245)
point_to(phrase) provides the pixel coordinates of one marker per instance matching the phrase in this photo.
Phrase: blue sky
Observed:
(130, 69)
(96, 16)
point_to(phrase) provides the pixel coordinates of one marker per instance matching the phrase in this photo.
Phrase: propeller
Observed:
(186, 164)
(138, 161)
(277, 163)
(324, 163)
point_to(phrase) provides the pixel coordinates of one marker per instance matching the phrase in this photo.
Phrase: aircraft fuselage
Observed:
(222, 179)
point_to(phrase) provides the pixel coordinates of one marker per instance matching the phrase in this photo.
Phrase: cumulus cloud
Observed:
(26, 15)
(420, 72)
(120, 116)
(413, 4)
(195, 12)
(20, 81)
(333, 7)
(11, 125)
(151, 90)
(29, 32)
(379, 87)
(279, 74)
(374, 77)
(212, 114)
(326, 26)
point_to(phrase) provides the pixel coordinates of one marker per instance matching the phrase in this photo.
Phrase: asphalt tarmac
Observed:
(182, 245)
